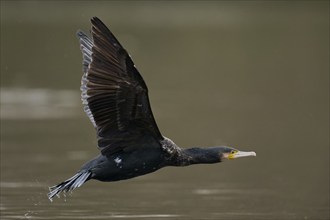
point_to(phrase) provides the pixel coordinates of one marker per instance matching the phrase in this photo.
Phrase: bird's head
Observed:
(232, 153)
(199, 155)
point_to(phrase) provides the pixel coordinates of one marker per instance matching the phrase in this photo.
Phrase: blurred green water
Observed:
(254, 75)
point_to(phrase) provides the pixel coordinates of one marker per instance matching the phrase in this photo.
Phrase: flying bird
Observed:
(115, 99)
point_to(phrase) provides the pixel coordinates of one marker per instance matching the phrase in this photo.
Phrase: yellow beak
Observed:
(238, 154)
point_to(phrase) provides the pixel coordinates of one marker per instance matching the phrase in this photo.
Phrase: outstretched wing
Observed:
(114, 95)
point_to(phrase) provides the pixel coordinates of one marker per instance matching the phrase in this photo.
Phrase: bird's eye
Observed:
(233, 151)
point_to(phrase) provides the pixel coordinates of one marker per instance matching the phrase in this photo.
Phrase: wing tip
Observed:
(80, 33)
(95, 18)
(96, 21)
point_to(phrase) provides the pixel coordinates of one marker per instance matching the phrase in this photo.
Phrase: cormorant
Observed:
(115, 98)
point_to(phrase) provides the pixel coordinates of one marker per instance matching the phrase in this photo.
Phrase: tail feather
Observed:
(70, 184)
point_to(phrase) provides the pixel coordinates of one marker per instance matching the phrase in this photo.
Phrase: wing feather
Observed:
(114, 94)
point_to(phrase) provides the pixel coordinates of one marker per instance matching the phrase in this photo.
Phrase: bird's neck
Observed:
(198, 155)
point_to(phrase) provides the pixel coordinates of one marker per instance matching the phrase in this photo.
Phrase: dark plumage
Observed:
(115, 98)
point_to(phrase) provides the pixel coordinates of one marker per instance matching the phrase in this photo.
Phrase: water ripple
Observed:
(19, 184)
(23, 103)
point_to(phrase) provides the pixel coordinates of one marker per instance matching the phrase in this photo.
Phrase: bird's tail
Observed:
(69, 184)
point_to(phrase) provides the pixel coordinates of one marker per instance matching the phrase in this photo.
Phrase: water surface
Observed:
(250, 75)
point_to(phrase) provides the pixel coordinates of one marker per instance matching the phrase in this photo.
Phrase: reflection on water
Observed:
(23, 103)
(19, 184)
(252, 75)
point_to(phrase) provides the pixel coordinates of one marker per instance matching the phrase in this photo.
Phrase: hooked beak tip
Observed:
(245, 154)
